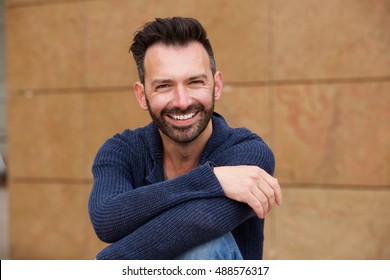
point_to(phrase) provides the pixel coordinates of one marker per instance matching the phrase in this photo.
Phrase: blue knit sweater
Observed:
(145, 216)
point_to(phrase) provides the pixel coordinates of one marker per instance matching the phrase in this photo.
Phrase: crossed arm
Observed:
(162, 220)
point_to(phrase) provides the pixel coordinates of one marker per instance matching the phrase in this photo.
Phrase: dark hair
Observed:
(175, 31)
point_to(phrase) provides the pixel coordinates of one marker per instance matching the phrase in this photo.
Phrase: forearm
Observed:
(179, 229)
(116, 210)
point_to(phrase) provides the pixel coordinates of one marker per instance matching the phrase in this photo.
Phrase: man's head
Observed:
(178, 80)
(176, 31)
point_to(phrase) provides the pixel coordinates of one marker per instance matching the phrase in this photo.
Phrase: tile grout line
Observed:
(270, 83)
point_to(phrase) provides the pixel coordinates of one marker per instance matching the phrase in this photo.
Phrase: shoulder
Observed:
(240, 146)
(127, 143)
(243, 141)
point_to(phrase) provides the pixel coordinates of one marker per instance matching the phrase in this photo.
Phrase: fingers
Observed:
(274, 184)
(264, 193)
(255, 204)
(251, 185)
(259, 202)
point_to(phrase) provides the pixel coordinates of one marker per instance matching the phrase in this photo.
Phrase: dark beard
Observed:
(187, 134)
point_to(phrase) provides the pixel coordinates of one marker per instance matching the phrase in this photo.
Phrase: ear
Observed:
(218, 85)
(139, 91)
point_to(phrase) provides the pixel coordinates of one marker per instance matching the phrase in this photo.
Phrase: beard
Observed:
(183, 134)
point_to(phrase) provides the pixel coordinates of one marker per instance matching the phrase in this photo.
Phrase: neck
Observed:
(180, 158)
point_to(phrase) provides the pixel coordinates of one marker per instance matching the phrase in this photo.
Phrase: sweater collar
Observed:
(154, 142)
(221, 132)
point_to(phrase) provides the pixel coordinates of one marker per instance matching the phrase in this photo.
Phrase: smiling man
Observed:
(187, 186)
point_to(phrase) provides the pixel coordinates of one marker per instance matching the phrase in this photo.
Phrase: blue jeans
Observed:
(221, 248)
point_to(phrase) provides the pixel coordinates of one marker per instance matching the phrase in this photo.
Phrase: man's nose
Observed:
(182, 98)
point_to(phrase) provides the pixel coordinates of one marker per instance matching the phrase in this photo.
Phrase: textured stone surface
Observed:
(49, 221)
(333, 134)
(44, 47)
(46, 135)
(330, 39)
(316, 223)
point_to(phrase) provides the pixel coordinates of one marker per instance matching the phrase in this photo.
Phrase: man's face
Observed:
(180, 90)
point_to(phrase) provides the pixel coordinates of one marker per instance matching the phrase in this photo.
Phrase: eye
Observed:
(197, 83)
(163, 87)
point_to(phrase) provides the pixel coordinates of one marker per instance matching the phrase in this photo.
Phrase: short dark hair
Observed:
(175, 31)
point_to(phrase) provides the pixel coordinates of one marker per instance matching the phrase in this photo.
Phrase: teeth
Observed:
(184, 117)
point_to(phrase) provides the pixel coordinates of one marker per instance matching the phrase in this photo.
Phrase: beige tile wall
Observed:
(50, 221)
(311, 77)
(47, 135)
(328, 223)
(330, 39)
(333, 134)
(45, 46)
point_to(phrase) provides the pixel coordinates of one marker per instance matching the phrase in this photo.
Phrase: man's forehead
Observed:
(170, 58)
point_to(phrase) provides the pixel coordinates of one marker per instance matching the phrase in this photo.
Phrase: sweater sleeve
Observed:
(253, 151)
(175, 231)
(197, 220)
(117, 208)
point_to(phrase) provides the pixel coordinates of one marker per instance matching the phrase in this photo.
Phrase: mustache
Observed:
(178, 111)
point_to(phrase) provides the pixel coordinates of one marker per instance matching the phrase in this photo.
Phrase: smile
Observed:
(183, 117)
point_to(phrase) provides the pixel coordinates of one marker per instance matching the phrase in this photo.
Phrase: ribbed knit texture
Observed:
(145, 216)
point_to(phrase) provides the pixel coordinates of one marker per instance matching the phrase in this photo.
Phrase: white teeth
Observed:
(184, 117)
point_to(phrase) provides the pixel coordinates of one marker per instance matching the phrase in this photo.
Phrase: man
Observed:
(187, 186)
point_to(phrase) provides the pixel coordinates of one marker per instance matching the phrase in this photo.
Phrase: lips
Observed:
(183, 117)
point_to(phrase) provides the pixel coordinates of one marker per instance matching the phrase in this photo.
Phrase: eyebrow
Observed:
(160, 81)
(200, 76)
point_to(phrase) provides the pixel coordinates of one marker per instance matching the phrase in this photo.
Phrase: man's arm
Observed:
(245, 172)
(189, 224)
(119, 205)
(179, 229)
(117, 208)
(251, 185)
(137, 246)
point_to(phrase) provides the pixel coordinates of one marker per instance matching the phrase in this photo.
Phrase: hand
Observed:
(251, 185)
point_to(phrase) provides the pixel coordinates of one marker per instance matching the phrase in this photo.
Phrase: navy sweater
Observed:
(145, 216)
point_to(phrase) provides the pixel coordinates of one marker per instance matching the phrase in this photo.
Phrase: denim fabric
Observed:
(221, 248)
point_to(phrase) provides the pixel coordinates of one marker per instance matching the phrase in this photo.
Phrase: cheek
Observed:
(158, 102)
(206, 98)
